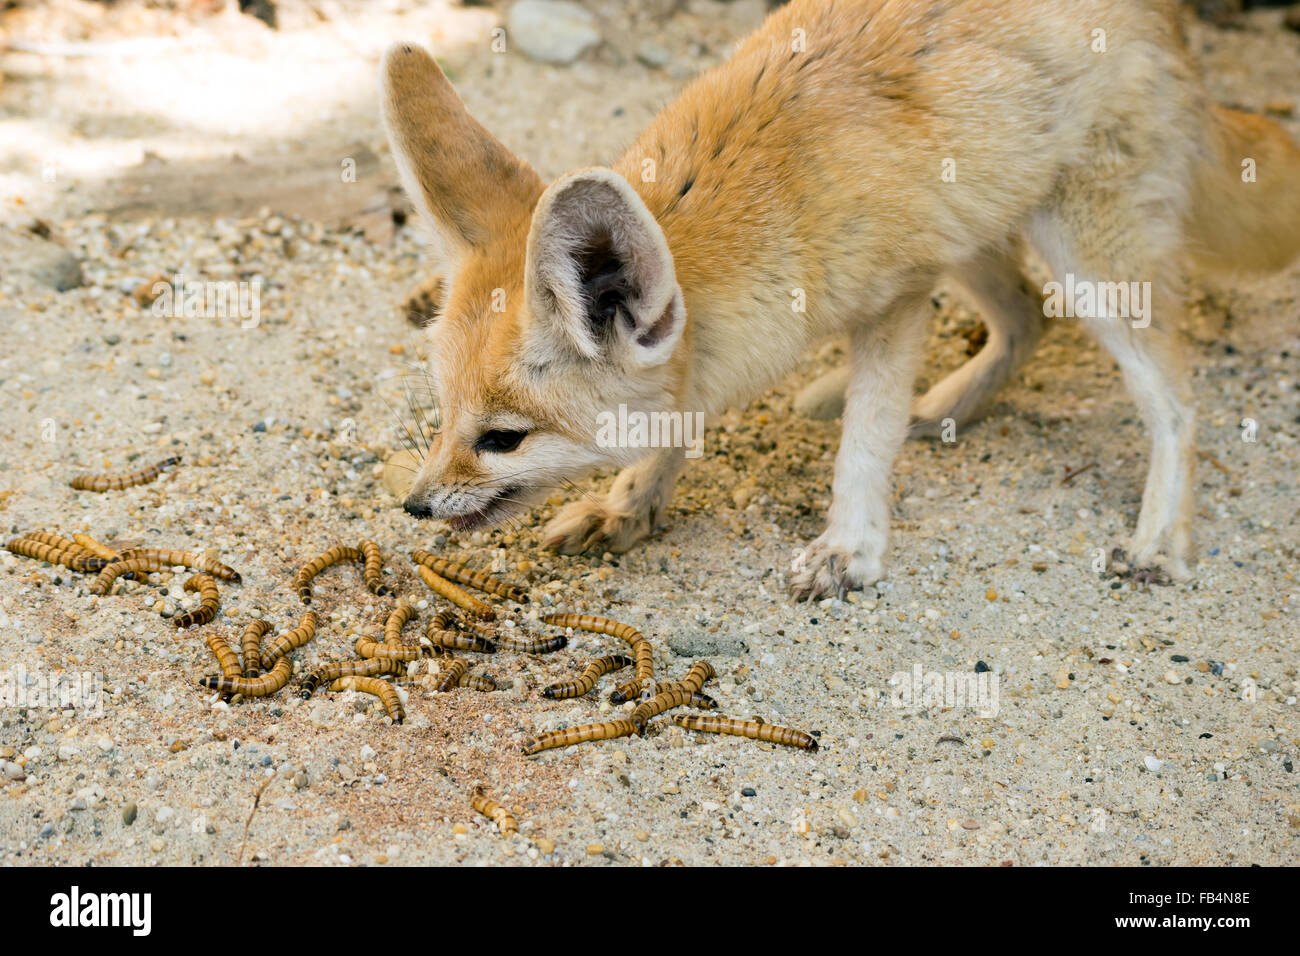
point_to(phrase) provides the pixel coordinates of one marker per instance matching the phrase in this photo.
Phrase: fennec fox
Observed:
(848, 154)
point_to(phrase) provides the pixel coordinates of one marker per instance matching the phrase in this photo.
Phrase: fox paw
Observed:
(1147, 568)
(583, 525)
(824, 570)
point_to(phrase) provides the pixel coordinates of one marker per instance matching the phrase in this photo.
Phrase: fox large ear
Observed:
(458, 175)
(599, 277)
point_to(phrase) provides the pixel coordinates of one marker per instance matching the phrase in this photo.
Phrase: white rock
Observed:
(654, 55)
(553, 31)
(1152, 763)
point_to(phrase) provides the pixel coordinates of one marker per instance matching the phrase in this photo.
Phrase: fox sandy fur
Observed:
(849, 154)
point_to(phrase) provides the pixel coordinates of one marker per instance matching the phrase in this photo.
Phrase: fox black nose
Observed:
(417, 508)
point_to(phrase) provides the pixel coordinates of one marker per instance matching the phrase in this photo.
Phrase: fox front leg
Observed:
(850, 553)
(618, 520)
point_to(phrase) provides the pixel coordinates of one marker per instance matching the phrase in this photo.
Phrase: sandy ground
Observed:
(1134, 725)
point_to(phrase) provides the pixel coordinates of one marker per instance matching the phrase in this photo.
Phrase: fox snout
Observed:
(417, 506)
(466, 505)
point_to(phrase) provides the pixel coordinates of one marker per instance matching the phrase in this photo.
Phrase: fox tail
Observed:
(1245, 213)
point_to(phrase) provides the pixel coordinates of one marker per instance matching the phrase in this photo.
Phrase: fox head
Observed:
(558, 303)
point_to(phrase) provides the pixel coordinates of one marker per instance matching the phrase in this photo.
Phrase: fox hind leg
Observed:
(1012, 311)
(1105, 238)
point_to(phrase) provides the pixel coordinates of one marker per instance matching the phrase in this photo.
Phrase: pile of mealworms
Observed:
(263, 667)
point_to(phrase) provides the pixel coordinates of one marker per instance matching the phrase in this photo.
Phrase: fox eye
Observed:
(499, 441)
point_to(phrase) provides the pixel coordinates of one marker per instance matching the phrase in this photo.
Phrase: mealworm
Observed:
(629, 691)
(369, 648)
(396, 620)
(78, 560)
(695, 678)
(645, 672)
(696, 698)
(468, 576)
(289, 642)
(251, 646)
(188, 559)
(753, 729)
(645, 665)
(302, 581)
(475, 682)
(645, 659)
(597, 625)
(56, 541)
(660, 702)
(489, 630)
(700, 673)
(503, 818)
(87, 563)
(578, 735)
(262, 686)
(584, 683)
(79, 557)
(445, 621)
(459, 641)
(114, 570)
(331, 672)
(373, 574)
(226, 657)
(95, 548)
(209, 602)
(450, 676)
(536, 645)
(118, 482)
(456, 594)
(385, 691)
